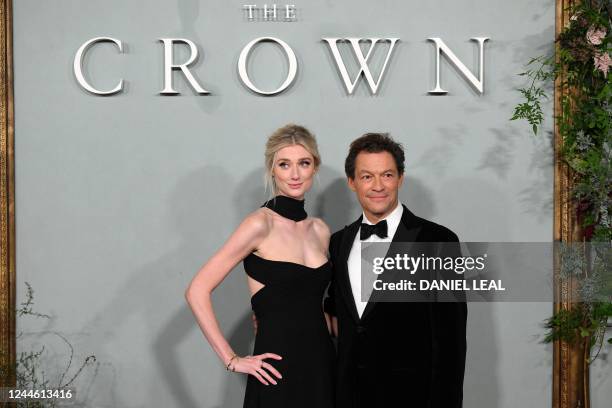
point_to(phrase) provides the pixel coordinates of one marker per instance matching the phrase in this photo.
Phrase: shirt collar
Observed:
(393, 219)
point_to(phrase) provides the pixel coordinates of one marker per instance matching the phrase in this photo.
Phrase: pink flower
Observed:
(603, 62)
(595, 35)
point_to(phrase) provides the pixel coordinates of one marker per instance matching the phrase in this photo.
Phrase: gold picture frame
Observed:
(7, 197)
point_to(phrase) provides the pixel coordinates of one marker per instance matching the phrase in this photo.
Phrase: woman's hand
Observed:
(256, 366)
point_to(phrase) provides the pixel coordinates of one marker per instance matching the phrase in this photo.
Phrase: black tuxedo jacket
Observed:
(408, 355)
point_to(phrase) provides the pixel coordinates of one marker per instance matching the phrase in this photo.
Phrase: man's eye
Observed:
(366, 177)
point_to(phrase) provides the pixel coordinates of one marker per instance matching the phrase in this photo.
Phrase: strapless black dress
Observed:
(291, 324)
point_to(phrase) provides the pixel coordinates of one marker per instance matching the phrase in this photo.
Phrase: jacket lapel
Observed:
(348, 237)
(407, 231)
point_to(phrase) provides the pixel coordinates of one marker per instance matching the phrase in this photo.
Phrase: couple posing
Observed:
(389, 355)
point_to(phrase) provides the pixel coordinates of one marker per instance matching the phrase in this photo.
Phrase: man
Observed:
(390, 354)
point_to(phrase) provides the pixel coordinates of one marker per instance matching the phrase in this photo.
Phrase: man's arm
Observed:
(448, 324)
(449, 350)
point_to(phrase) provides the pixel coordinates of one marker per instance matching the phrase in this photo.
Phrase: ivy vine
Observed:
(581, 65)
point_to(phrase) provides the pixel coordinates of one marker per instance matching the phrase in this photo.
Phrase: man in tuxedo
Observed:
(390, 354)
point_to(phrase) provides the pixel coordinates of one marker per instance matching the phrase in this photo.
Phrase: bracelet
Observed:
(227, 367)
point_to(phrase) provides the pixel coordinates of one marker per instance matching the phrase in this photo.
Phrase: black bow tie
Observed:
(379, 229)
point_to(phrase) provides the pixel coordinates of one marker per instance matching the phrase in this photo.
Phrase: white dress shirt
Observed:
(354, 259)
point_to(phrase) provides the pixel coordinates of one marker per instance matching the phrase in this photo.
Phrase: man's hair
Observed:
(374, 143)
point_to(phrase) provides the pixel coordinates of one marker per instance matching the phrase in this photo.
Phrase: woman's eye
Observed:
(305, 163)
(283, 165)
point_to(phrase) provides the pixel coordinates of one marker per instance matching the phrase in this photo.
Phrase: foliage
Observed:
(588, 322)
(29, 368)
(531, 109)
(581, 67)
(588, 267)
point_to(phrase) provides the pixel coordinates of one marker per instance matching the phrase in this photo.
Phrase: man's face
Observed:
(376, 182)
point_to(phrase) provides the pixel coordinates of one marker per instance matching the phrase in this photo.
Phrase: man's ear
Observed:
(351, 183)
(401, 180)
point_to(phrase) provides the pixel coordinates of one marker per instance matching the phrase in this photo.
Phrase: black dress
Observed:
(291, 323)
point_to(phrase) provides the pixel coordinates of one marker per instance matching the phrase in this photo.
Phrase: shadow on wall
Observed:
(417, 197)
(482, 377)
(334, 202)
(537, 198)
(189, 13)
(437, 159)
(150, 291)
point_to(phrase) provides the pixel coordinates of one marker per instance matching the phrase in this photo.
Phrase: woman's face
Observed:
(293, 171)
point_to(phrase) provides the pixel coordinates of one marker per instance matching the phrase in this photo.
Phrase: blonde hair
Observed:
(288, 135)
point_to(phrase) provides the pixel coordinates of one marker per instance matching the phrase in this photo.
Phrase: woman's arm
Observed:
(244, 240)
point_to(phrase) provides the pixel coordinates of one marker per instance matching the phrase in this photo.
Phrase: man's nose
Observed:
(378, 184)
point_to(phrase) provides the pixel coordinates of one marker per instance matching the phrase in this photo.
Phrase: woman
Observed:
(285, 257)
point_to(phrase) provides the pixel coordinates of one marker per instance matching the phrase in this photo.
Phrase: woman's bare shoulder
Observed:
(257, 223)
(321, 228)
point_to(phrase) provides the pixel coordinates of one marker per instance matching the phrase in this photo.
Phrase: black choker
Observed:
(287, 207)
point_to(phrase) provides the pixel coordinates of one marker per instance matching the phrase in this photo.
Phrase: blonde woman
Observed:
(285, 257)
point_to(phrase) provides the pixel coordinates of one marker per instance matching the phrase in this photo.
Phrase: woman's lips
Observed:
(295, 186)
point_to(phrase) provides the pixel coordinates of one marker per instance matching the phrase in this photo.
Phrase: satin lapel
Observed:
(407, 231)
(348, 237)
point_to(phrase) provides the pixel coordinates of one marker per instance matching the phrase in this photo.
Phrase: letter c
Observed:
(78, 66)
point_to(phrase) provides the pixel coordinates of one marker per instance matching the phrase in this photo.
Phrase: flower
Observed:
(603, 62)
(595, 35)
